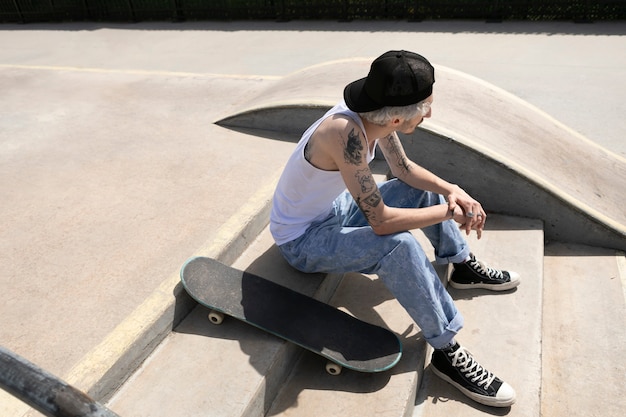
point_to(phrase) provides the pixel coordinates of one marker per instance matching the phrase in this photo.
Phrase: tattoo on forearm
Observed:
(368, 204)
(366, 181)
(353, 149)
(395, 150)
(373, 200)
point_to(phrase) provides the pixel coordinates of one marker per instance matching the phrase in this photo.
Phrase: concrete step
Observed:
(308, 392)
(502, 330)
(228, 370)
(311, 392)
(231, 370)
(584, 332)
(236, 370)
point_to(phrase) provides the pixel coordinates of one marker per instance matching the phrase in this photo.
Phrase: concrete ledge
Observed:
(110, 363)
(292, 103)
(247, 366)
(584, 332)
(504, 188)
(515, 158)
(551, 172)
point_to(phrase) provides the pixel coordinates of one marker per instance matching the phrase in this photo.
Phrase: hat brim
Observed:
(357, 100)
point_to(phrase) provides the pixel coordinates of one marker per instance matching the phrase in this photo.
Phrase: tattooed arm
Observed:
(408, 171)
(339, 145)
(418, 177)
(349, 151)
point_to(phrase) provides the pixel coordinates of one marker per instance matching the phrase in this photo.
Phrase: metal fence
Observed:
(25, 11)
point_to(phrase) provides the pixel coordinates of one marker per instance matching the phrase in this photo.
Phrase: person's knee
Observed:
(405, 245)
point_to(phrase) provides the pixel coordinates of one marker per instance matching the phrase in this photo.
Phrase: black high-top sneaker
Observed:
(475, 274)
(457, 366)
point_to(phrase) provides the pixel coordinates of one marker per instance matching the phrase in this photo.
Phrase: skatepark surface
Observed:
(113, 171)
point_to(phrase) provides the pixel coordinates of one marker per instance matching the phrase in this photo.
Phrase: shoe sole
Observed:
(489, 401)
(481, 285)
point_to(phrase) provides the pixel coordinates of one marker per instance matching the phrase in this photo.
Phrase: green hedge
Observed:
(25, 11)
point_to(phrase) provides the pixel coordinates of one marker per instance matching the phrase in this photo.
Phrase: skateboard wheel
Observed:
(216, 317)
(333, 368)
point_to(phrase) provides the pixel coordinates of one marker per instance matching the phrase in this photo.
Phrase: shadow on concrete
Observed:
(440, 391)
(477, 293)
(284, 136)
(574, 250)
(359, 295)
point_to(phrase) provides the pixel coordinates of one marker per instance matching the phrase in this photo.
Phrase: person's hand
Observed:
(466, 211)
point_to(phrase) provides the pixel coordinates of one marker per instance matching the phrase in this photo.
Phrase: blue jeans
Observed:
(344, 242)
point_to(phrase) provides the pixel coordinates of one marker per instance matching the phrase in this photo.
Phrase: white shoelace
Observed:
(485, 270)
(464, 361)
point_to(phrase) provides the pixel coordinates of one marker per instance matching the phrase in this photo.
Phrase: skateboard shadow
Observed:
(359, 295)
(366, 298)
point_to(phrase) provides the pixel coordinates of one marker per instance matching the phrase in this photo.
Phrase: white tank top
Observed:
(305, 194)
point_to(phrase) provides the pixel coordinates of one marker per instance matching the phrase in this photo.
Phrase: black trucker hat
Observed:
(396, 78)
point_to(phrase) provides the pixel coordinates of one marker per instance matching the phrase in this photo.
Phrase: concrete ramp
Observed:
(292, 103)
(513, 157)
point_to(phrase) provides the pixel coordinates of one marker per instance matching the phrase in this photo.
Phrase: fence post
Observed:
(45, 392)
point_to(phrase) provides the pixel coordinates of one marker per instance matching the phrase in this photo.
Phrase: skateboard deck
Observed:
(316, 326)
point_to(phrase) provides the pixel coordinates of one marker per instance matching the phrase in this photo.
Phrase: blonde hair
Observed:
(386, 114)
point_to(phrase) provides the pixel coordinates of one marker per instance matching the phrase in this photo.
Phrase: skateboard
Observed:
(345, 341)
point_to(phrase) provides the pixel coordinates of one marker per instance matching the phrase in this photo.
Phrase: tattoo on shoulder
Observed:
(353, 149)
